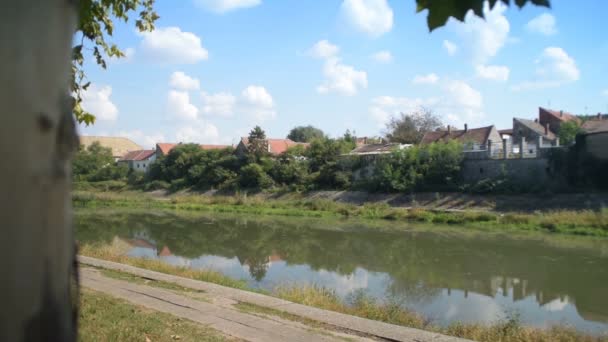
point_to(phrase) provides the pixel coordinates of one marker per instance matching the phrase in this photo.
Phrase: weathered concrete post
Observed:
(522, 147)
(539, 146)
(505, 154)
(556, 142)
(489, 148)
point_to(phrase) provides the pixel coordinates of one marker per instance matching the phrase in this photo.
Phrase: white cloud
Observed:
(198, 132)
(147, 141)
(373, 17)
(172, 46)
(493, 72)
(181, 81)
(341, 78)
(554, 68)
(543, 24)
(96, 100)
(223, 6)
(324, 49)
(221, 104)
(486, 37)
(259, 103)
(450, 47)
(383, 56)
(385, 107)
(431, 78)
(456, 101)
(179, 106)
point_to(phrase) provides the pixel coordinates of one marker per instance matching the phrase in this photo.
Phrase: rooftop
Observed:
(478, 135)
(119, 145)
(138, 155)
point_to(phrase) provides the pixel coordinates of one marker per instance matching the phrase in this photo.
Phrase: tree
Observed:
(568, 131)
(440, 11)
(410, 128)
(95, 25)
(91, 159)
(305, 133)
(258, 145)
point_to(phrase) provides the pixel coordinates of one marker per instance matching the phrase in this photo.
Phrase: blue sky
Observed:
(215, 68)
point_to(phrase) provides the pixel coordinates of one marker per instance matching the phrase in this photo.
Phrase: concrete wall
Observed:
(597, 145)
(531, 170)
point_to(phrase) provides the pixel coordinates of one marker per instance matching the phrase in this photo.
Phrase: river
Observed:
(446, 274)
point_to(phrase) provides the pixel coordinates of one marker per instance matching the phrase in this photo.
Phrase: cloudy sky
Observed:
(212, 69)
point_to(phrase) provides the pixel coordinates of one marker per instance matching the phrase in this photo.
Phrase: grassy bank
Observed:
(104, 318)
(359, 305)
(579, 222)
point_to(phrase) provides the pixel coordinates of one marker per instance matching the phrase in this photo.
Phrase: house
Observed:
(473, 139)
(119, 145)
(162, 149)
(273, 146)
(553, 119)
(595, 135)
(138, 160)
(377, 149)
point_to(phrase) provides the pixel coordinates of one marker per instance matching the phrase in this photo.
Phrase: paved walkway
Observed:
(219, 313)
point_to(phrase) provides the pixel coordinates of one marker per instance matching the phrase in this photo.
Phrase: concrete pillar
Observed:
(489, 148)
(522, 147)
(556, 142)
(505, 153)
(540, 145)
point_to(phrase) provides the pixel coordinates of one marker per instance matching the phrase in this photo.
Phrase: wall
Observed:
(597, 145)
(529, 170)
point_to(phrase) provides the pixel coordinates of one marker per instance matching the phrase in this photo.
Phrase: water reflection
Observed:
(447, 276)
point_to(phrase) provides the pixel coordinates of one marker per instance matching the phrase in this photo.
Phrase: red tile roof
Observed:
(138, 155)
(278, 146)
(478, 135)
(165, 148)
(595, 126)
(560, 115)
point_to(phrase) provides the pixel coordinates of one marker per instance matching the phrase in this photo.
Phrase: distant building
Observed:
(138, 160)
(553, 119)
(162, 149)
(377, 149)
(534, 134)
(595, 135)
(273, 146)
(473, 139)
(119, 145)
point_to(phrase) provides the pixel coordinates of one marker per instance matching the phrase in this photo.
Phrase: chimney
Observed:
(449, 129)
(466, 127)
(561, 113)
(599, 116)
(546, 129)
(536, 120)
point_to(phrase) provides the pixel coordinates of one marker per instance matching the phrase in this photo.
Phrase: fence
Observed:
(507, 150)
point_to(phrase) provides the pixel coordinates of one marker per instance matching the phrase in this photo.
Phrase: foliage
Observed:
(440, 11)
(429, 167)
(410, 128)
(305, 133)
(568, 131)
(96, 163)
(257, 145)
(254, 176)
(95, 25)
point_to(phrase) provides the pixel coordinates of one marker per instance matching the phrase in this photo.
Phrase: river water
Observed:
(446, 274)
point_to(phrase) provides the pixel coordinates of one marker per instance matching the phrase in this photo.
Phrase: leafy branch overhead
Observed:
(439, 11)
(95, 26)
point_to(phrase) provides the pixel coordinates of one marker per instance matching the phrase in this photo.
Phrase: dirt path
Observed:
(216, 308)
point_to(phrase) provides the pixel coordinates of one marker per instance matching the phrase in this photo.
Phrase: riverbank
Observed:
(477, 214)
(507, 330)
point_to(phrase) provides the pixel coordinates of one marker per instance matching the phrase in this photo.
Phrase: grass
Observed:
(509, 330)
(579, 222)
(104, 318)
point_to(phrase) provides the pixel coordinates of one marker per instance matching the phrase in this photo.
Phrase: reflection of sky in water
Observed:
(442, 307)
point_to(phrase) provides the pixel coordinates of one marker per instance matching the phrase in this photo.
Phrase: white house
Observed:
(139, 160)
